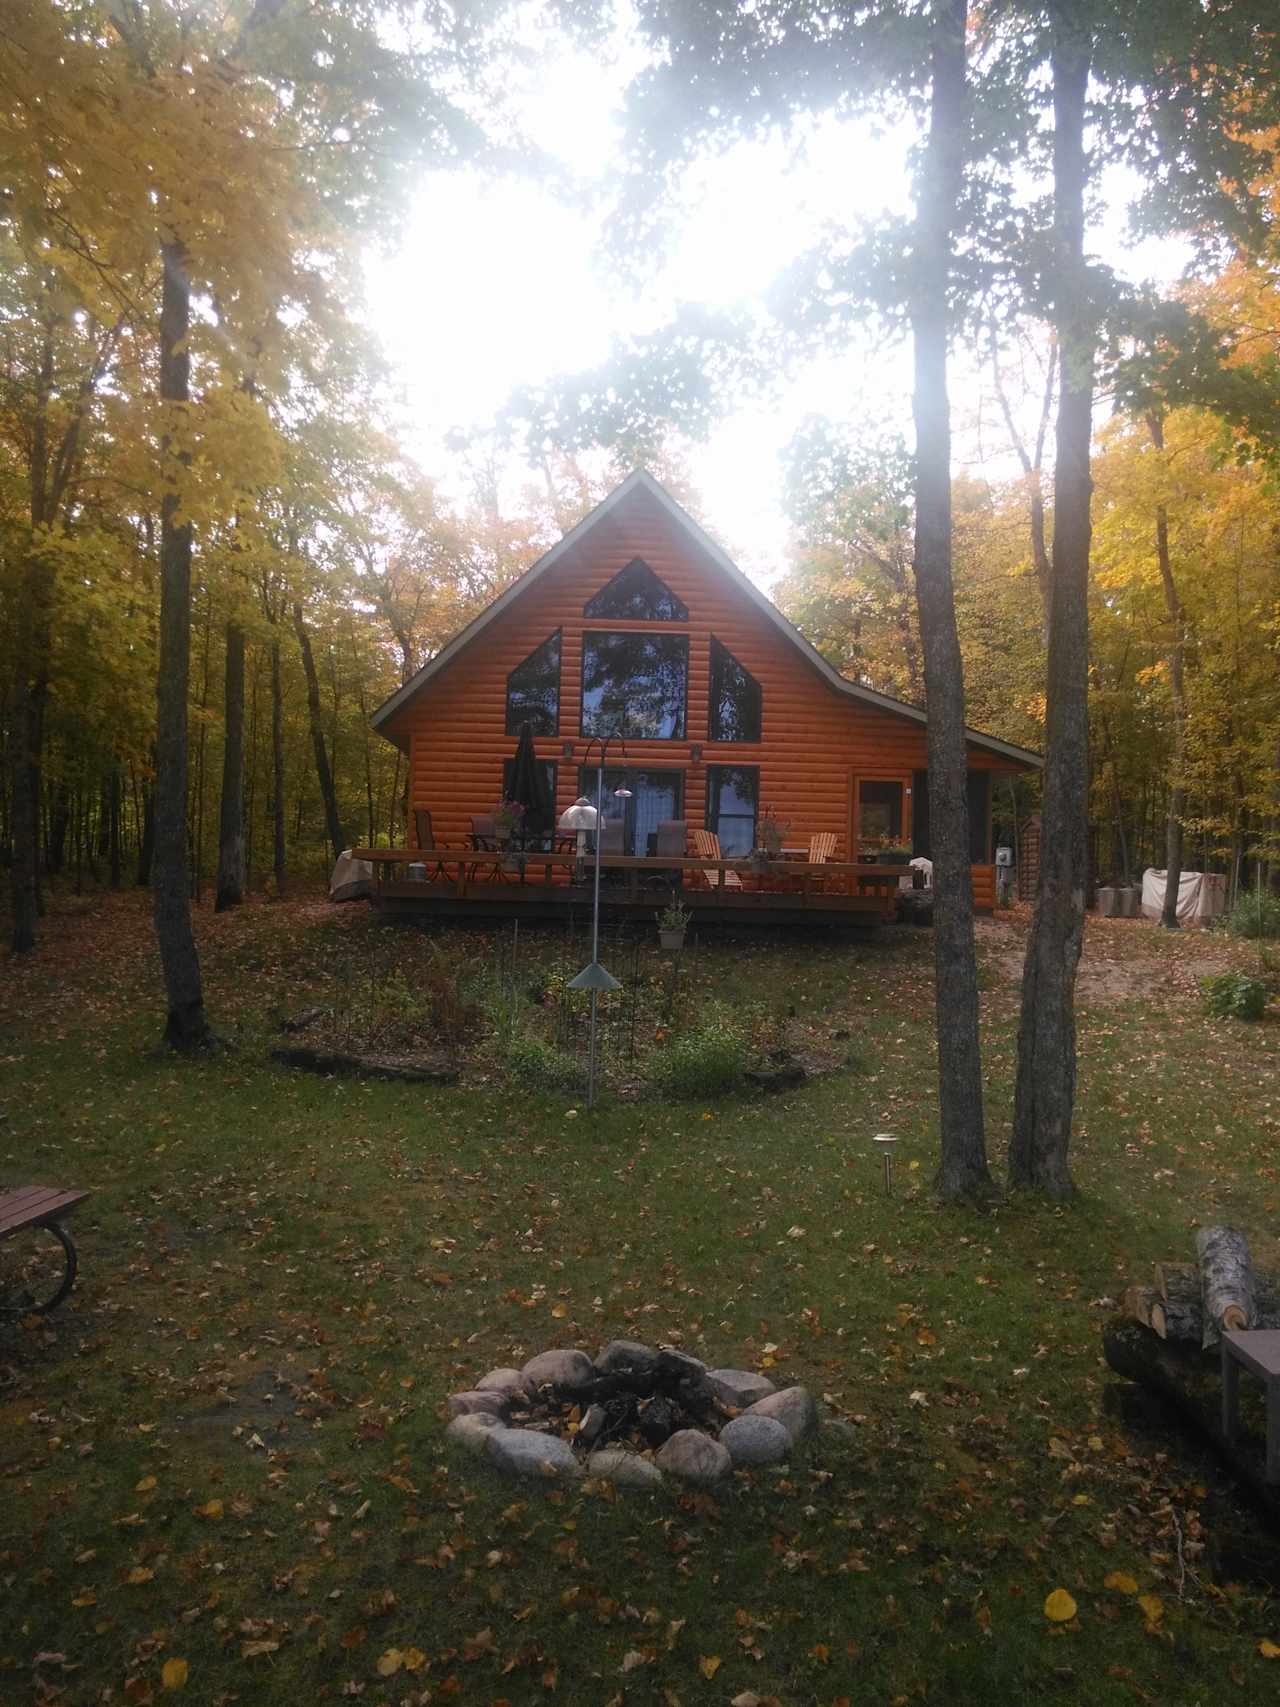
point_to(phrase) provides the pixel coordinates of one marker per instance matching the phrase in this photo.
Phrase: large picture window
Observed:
(533, 690)
(733, 794)
(635, 595)
(635, 685)
(736, 707)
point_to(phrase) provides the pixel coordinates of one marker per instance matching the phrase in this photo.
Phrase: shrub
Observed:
(447, 989)
(1234, 995)
(710, 1056)
(1255, 915)
(539, 1064)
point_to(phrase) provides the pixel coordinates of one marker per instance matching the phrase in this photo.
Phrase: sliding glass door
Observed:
(655, 795)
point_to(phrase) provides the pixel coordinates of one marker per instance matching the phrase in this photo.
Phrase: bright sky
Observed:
(500, 285)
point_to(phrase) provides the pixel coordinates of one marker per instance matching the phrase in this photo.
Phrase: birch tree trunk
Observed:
(1178, 697)
(963, 1168)
(186, 1026)
(1045, 1094)
(229, 890)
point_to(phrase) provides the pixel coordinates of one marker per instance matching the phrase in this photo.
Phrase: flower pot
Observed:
(672, 941)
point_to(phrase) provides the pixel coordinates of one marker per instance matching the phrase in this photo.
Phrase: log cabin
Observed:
(637, 626)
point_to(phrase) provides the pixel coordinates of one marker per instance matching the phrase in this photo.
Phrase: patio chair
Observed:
(821, 848)
(484, 839)
(706, 845)
(425, 838)
(671, 837)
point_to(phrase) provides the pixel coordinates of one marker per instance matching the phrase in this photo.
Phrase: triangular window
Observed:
(533, 690)
(636, 595)
(737, 704)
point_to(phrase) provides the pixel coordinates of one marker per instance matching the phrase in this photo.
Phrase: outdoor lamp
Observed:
(581, 816)
(886, 1141)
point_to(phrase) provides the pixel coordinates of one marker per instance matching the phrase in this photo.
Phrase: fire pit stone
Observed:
(470, 1431)
(739, 1388)
(624, 1469)
(508, 1381)
(695, 1457)
(752, 1441)
(793, 1407)
(568, 1369)
(527, 1452)
(626, 1354)
(467, 1404)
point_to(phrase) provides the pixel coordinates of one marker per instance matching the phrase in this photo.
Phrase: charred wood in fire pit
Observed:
(658, 1420)
(676, 1366)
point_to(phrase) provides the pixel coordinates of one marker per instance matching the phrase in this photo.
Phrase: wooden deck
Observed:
(464, 883)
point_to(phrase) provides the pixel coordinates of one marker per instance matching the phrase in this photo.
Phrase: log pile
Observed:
(1167, 1337)
(1195, 1301)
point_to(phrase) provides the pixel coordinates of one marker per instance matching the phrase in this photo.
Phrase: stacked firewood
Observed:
(1198, 1301)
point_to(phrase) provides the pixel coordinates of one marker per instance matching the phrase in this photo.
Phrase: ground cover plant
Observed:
(223, 1464)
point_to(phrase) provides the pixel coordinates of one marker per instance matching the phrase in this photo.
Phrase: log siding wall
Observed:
(814, 741)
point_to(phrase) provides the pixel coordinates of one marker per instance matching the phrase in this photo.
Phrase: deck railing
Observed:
(517, 878)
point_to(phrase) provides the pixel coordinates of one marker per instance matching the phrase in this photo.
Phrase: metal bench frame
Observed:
(41, 1206)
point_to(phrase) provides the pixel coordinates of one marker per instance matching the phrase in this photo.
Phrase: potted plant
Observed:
(771, 829)
(673, 922)
(507, 815)
(895, 854)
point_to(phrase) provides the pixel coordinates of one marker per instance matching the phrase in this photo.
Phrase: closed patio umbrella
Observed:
(529, 786)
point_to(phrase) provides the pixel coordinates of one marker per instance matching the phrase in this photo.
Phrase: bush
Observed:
(710, 1056)
(542, 1066)
(1255, 915)
(1234, 995)
(448, 991)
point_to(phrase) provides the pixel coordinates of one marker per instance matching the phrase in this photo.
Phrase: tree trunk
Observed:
(114, 823)
(963, 1168)
(1177, 694)
(229, 890)
(59, 818)
(147, 835)
(323, 773)
(1045, 1093)
(186, 1026)
(277, 771)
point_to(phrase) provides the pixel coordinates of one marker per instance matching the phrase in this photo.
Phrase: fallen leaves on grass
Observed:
(709, 1665)
(174, 1674)
(1059, 1606)
(1121, 1582)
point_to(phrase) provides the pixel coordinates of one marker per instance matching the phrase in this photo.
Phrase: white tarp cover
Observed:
(1201, 895)
(352, 879)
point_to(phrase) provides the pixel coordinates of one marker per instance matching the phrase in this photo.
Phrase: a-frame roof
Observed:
(640, 482)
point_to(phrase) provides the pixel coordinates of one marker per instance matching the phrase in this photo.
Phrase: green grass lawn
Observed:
(227, 1449)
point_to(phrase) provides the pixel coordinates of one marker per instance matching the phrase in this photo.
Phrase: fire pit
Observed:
(632, 1415)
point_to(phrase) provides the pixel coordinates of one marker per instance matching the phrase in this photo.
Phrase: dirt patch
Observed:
(1124, 960)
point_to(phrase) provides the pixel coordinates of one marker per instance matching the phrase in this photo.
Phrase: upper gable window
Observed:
(636, 595)
(533, 690)
(737, 704)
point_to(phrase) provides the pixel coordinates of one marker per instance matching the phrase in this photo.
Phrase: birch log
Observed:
(1226, 1284)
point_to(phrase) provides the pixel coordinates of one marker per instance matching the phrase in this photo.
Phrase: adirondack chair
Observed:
(706, 845)
(821, 848)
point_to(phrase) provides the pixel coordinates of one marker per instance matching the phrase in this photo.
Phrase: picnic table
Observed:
(33, 1279)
